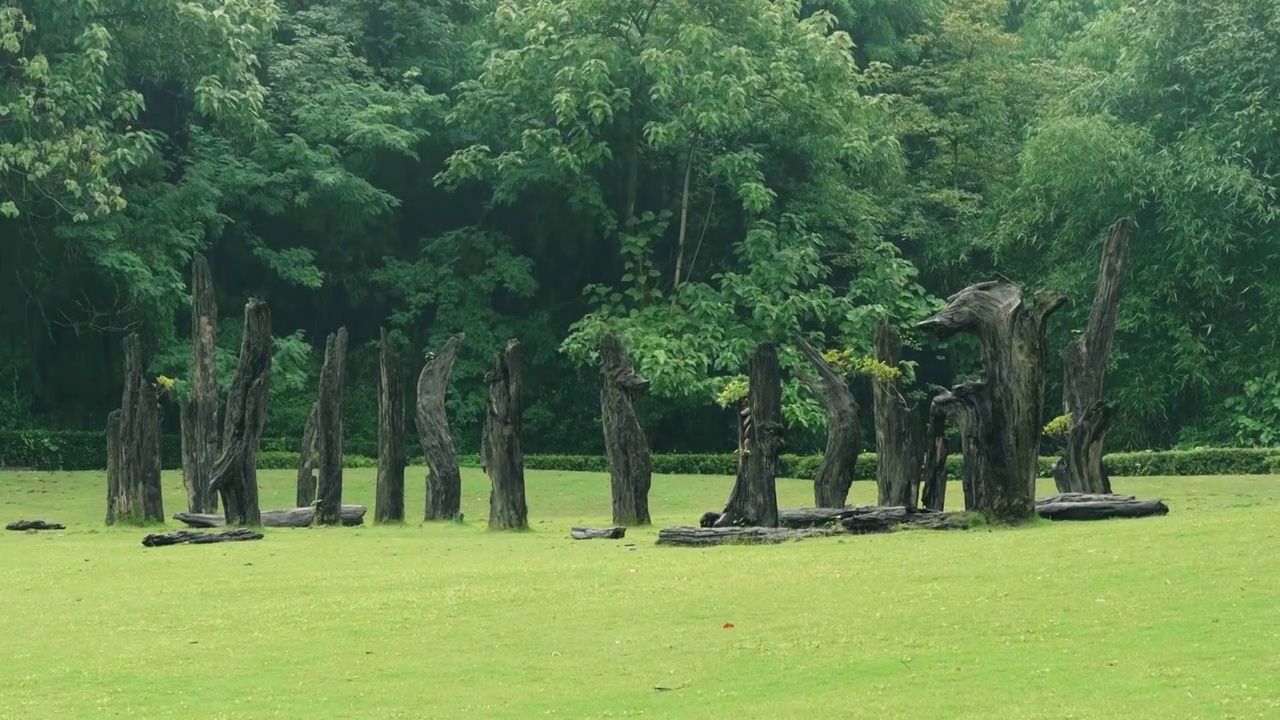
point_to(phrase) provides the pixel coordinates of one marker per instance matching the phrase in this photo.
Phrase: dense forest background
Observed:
(698, 176)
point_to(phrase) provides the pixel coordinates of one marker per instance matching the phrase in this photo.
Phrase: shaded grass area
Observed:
(1173, 617)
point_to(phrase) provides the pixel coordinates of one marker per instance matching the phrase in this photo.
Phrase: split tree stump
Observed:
(900, 436)
(307, 452)
(754, 499)
(500, 442)
(199, 413)
(135, 472)
(444, 480)
(835, 473)
(627, 448)
(389, 506)
(235, 475)
(329, 429)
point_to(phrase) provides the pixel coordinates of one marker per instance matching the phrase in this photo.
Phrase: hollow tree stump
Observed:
(500, 442)
(754, 499)
(329, 429)
(307, 452)
(389, 506)
(200, 411)
(235, 475)
(630, 466)
(1000, 415)
(900, 436)
(1084, 367)
(444, 480)
(836, 471)
(136, 476)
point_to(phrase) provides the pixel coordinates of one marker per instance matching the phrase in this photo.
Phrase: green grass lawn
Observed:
(1173, 617)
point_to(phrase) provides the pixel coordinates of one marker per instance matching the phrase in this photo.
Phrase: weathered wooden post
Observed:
(500, 442)
(630, 465)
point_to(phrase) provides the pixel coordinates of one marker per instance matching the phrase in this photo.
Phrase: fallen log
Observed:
(180, 537)
(690, 536)
(291, 517)
(23, 525)
(1101, 509)
(871, 518)
(609, 533)
(1083, 497)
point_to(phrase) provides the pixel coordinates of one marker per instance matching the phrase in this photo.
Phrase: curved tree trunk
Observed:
(500, 442)
(754, 500)
(390, 494)
(329, 424)
(235, 475)
(999, 415)
(1084, 366)
(836, 471)
(307, 452)
(630, 467)
(900, 436)
(444, 480)
(204, 392)
(137, 453)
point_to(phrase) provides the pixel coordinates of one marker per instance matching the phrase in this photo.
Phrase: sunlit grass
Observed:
(1173, 617)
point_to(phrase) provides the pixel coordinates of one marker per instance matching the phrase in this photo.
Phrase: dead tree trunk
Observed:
(500, 442)
(630, 466)
(113, 465)
(444, 480)
(1084, 366)
(329, 424)
(306, 490)
(754, 499)
(1000, 414)
(900, 437)
(204, 392)
(390, 493)
(933, 495)
(235, 475)
(836, 471)
(138, 497)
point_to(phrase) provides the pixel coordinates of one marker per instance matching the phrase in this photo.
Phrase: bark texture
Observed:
(754, 499)
(186, 537)
(113, 465)
(136, 476)
(301, 517)
(630, 466)
(203, 402)
(872, 518)
(307, 452)
(690, 536)
(235, 475)
(1000, 415)
(1086, 506)
(389, 506)
(500, 442)
(900, 429)
(329, 429)
(609, 533)
(444, 480)
(933, 494)
(836, 471)
(1084, 366)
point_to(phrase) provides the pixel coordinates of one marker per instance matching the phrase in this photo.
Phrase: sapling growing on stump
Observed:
(830, 385)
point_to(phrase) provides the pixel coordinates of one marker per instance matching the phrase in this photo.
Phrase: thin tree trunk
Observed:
(137, 468)
(444, 480)
(1084, 366)
(390, 492)
(836, 471)
(900, 436)
(630, 466)
(500, 442)
(235, 475)
(934, 493)
(307, 452)
(113, 465)
(190, 473)
(684, 219)
(999, 415)
(204, 389)
(754, 499)
(332, 380)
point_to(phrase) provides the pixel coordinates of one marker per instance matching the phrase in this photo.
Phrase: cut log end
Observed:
(609, 533)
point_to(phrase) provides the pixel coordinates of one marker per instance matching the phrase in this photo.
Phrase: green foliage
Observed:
(1058, 427)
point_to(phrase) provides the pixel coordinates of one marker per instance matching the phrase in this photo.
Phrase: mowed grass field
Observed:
(1173, 617)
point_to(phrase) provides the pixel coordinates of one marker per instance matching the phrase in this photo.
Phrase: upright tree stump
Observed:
(933, 494)
(900, 438)
(500, 442)
(1084, 366)
(444, 480)
(754, 499)
(630, 466)
(999, 415)
(200, 412)
(390, 492)
(235, 475)
(332, 380)
(136, 432)
(113, 465)
(835, 473)
(307, 452)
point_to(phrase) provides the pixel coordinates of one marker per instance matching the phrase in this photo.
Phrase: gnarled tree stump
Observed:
(900, 437)
(136, 476)
(307, 452)
(200, 411)
(329, 424)
(500, 442)
(630, 467)
(235, 475)
(390, 492)
(836, 471)
(754, 499)
(444, 480)
(1000, 415)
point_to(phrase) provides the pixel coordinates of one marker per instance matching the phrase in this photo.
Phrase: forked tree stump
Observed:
(136, 473)
(500, 442)
(754, 499)
(900, 436)
(200, 411)
(1000, 415)
(444, 480)
(627, 448)
(389, 506)
(235, 475)
(835, 473)
(329, 429)
(307, 452)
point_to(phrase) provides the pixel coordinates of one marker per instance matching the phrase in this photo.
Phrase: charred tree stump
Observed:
(444, 480)
(630, 467)
(306, 483)
(329, 429)
(500, 442)
(1000, 414)
(1084, 366)
(933, 494)
(136, 475)
(836, 471)
(900, 438)
(390, 493)
(113, 465)
(300, 517)
(200, 411)
(754, 500)
(235, 475)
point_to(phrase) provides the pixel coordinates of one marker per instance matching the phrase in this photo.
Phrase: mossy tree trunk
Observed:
(235, 475)
(307, 452)
(389, 506)
(900, 429)
(754, 499)
(329, 425)
(500, 442)
(835, 473)
(444, 480)
(627, 448)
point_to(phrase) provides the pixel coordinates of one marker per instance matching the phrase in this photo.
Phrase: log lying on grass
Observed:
(1084, 506)
(291, 517)
(23, 525)
(872, 518)
(179, 537)
(609, 533)
(690, 536)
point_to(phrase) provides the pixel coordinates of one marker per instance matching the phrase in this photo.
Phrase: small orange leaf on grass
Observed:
(728, 625)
